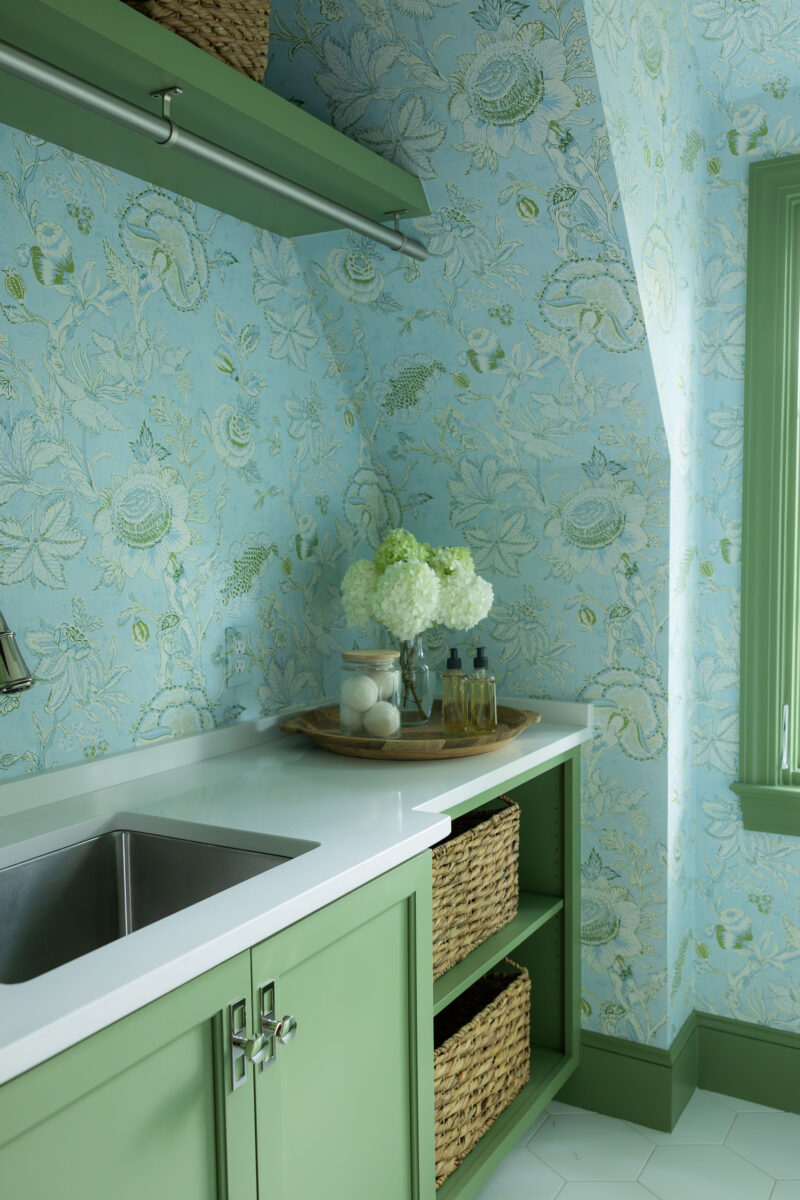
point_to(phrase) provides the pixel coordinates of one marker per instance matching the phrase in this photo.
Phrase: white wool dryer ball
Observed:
(384, 681)
(359, 692)
(382, 720)
(349, 719)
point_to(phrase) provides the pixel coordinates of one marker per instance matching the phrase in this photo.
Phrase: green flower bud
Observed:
(140, 633)
(527, 209)
(713, 165)
(586, 617)
(398, 546)
(286, 564)
(702, 950)
(15, 285)
(461, 379)
(349, 418)
(707, 568)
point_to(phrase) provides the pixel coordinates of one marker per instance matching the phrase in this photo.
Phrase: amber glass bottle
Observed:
(482, 695)
(454, 695)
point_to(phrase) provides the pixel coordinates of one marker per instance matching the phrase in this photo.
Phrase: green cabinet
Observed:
(141, 1109)
(349, 1100)
(147, 1109)
(147, 1106)
(544, 937)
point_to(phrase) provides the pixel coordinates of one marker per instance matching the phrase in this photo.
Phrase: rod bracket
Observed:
(397, 213)
(166, 95)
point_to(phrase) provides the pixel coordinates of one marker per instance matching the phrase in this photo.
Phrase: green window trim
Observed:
(769, 775)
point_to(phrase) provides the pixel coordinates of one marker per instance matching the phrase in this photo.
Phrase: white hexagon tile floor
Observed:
(721, 1149)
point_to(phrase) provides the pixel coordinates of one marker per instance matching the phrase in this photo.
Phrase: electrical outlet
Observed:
(237, 669)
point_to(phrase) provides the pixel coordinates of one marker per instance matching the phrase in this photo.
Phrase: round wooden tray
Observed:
(418, 742)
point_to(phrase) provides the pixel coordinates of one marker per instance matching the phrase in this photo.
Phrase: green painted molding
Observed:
(750, 1061)
(769, 809)
(652, 1086)
(635, 1082)
(770, 638)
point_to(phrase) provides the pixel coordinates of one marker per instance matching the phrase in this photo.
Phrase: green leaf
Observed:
(225, 326)
(502, 546)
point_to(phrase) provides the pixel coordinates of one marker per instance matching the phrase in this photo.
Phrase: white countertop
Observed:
(367, 817)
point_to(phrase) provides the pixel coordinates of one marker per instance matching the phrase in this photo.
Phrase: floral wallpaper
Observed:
(201, 425)
(748, 890)
(540, 417)
(172, 478)
(648, 80)
(506, 394)
(723, 83)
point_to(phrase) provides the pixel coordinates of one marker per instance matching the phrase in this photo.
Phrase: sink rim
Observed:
(40, 845)
(233, 838)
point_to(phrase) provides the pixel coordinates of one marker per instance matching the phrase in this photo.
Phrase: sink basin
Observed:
(71, 900)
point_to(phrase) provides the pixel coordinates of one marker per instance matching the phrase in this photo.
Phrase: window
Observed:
(769, 709)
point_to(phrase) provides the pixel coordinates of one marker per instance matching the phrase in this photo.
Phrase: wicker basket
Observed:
(481, 1061)
(475, 882)
(236, 31)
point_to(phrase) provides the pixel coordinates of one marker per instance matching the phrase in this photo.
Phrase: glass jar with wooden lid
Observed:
(369, 693)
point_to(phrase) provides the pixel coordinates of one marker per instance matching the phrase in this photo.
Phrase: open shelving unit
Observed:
(543, 937)
(111, 46)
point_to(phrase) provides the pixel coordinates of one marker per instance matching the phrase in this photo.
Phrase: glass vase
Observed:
(417, 684)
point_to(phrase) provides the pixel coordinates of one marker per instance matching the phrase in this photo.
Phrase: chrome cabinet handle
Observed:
(254, 1048)
(258, 1049)
(245, 1048)
(284, 1029)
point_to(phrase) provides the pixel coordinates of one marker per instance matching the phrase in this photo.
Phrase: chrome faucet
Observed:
(14, 675)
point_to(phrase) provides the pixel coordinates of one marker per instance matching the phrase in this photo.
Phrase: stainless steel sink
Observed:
(64, 903)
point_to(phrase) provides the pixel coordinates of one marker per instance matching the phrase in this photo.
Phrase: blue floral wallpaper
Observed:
(201, 425)
(722, 81)
(748, 885)
(171, 475)
(506, 392)
(649, 84)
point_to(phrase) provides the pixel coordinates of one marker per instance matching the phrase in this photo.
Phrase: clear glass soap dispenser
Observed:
(454, 695)
(482, 695)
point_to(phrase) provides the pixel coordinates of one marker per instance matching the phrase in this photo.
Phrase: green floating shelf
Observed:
(108, 44)
(550, 1069)
(534, 911)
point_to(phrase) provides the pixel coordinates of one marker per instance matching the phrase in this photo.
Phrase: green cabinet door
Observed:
(143, 1110)
(345, 1111)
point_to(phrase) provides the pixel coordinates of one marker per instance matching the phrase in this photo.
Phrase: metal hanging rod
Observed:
(163, 130)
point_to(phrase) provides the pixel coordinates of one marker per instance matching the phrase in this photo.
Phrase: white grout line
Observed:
(644, 1164)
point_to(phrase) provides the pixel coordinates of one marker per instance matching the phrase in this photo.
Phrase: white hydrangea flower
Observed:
(407, 599)
(358, 592)
(464, 599)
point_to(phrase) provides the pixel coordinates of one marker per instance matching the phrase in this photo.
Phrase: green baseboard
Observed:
(752, 1062)
(635, 1082)
(652, 1087)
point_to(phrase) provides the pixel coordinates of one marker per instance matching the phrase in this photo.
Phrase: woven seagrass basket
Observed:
(475, 882)
(481, 1061)
(235, 31)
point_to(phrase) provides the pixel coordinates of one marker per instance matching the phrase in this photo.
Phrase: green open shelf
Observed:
(550, 1069)
(543, 938)
(534, 911)
(108, 44)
